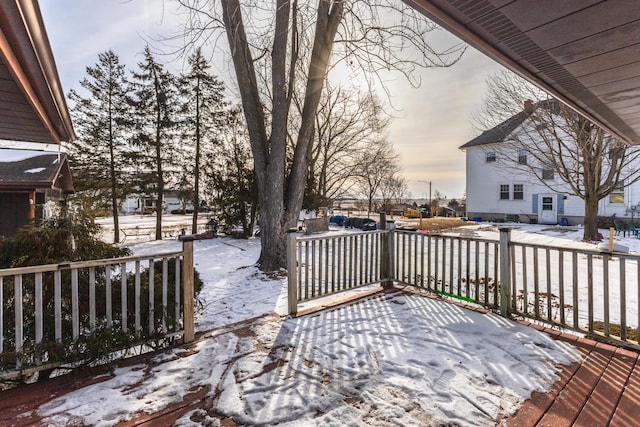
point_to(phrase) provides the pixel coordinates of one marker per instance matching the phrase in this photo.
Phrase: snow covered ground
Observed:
(386, 360)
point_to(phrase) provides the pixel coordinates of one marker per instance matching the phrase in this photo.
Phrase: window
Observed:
(522, 157)
(617, 195)
(491, 156)
(547, 173)
(518, 192)
(504, 191)
(547, 203)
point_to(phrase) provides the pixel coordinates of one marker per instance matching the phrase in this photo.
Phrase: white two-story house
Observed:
(501, 188)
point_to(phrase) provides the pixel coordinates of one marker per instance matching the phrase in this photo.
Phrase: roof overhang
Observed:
(586, 53)
(32, 103)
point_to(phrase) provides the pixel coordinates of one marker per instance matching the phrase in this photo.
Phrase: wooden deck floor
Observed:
(602, 390)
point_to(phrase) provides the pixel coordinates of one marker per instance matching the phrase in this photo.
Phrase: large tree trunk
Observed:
(269, 154)
(328, 19)
(269, 169)
(590, 218)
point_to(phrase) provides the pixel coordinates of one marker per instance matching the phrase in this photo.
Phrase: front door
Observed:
(548, 209)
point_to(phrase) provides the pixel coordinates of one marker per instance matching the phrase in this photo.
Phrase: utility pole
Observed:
(430, 207)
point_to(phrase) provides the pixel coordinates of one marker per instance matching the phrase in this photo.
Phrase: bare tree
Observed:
(282, 40)
(554, 138)
(393, 189)
(347, 123)
(379, 167)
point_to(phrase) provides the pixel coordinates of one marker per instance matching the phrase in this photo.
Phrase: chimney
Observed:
(528, 106)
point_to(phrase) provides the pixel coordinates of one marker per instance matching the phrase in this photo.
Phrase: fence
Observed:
(70, 313)
(588, 291)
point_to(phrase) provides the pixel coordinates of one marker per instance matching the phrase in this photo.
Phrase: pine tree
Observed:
(203, 112)
(233, 179)
(100, 121)
(154, 102)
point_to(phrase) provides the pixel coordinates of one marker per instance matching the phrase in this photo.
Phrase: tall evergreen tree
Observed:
(154, 101)
(203, 112)
(100, 122)
(232, 179)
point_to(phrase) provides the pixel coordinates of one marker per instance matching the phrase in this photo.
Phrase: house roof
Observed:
(32, 103)
(34, 170)
(498, 133)
(585, 53)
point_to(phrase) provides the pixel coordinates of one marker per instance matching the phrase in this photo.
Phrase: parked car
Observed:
(365, 224)
(338, 220)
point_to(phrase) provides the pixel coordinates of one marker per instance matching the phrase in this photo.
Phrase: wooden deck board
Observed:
(628, 410)
(602, 389)
(603, 399)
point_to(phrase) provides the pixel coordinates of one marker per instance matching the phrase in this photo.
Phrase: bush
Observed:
(74, 238)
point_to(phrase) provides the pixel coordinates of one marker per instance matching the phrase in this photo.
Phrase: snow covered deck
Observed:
(369, 362)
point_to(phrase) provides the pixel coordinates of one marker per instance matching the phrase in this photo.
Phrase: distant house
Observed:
(29, 180)
(33, 118)
(496, 191)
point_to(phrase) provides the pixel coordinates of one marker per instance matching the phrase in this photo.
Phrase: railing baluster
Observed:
(486, 273)
(335, 262)
(452, 284)
(525, 282)
(1, 314)
(605, 284)
(306, 270)
(514, 282)
(19, 321)
(38, 307)
(590, 290)
(301, 286)
(536, 285)
(563, 321)
(108, 299)
(476, 273)
(637, 298)
(152, 296)
(75, 304)
(165, 293)
(136, 292)
(467, 268)
(123, 297)
(57, 304)
(177, 292)
(326, 266)
(436, 262)
(92, 298)
(549, 293)
(576, 321)
(623, 299)
(496, 287)
(429, 261)
(422, 239)
(312, 268)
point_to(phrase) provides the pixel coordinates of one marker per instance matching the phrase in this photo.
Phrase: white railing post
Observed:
(505, 271)
(292, 272)
(187, 288)
(388, 250)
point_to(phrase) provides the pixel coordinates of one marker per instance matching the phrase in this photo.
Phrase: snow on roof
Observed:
(10, 155)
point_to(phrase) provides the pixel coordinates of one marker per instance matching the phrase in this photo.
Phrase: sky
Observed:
(385, 360)
(431, 121)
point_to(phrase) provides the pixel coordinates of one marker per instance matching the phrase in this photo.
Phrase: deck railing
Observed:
(58, 314)
(590, 291)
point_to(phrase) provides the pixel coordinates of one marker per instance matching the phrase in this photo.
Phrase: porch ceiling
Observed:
(32, 103)
(584, 52)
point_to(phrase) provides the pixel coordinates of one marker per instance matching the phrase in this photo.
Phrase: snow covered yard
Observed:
(387, 360)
